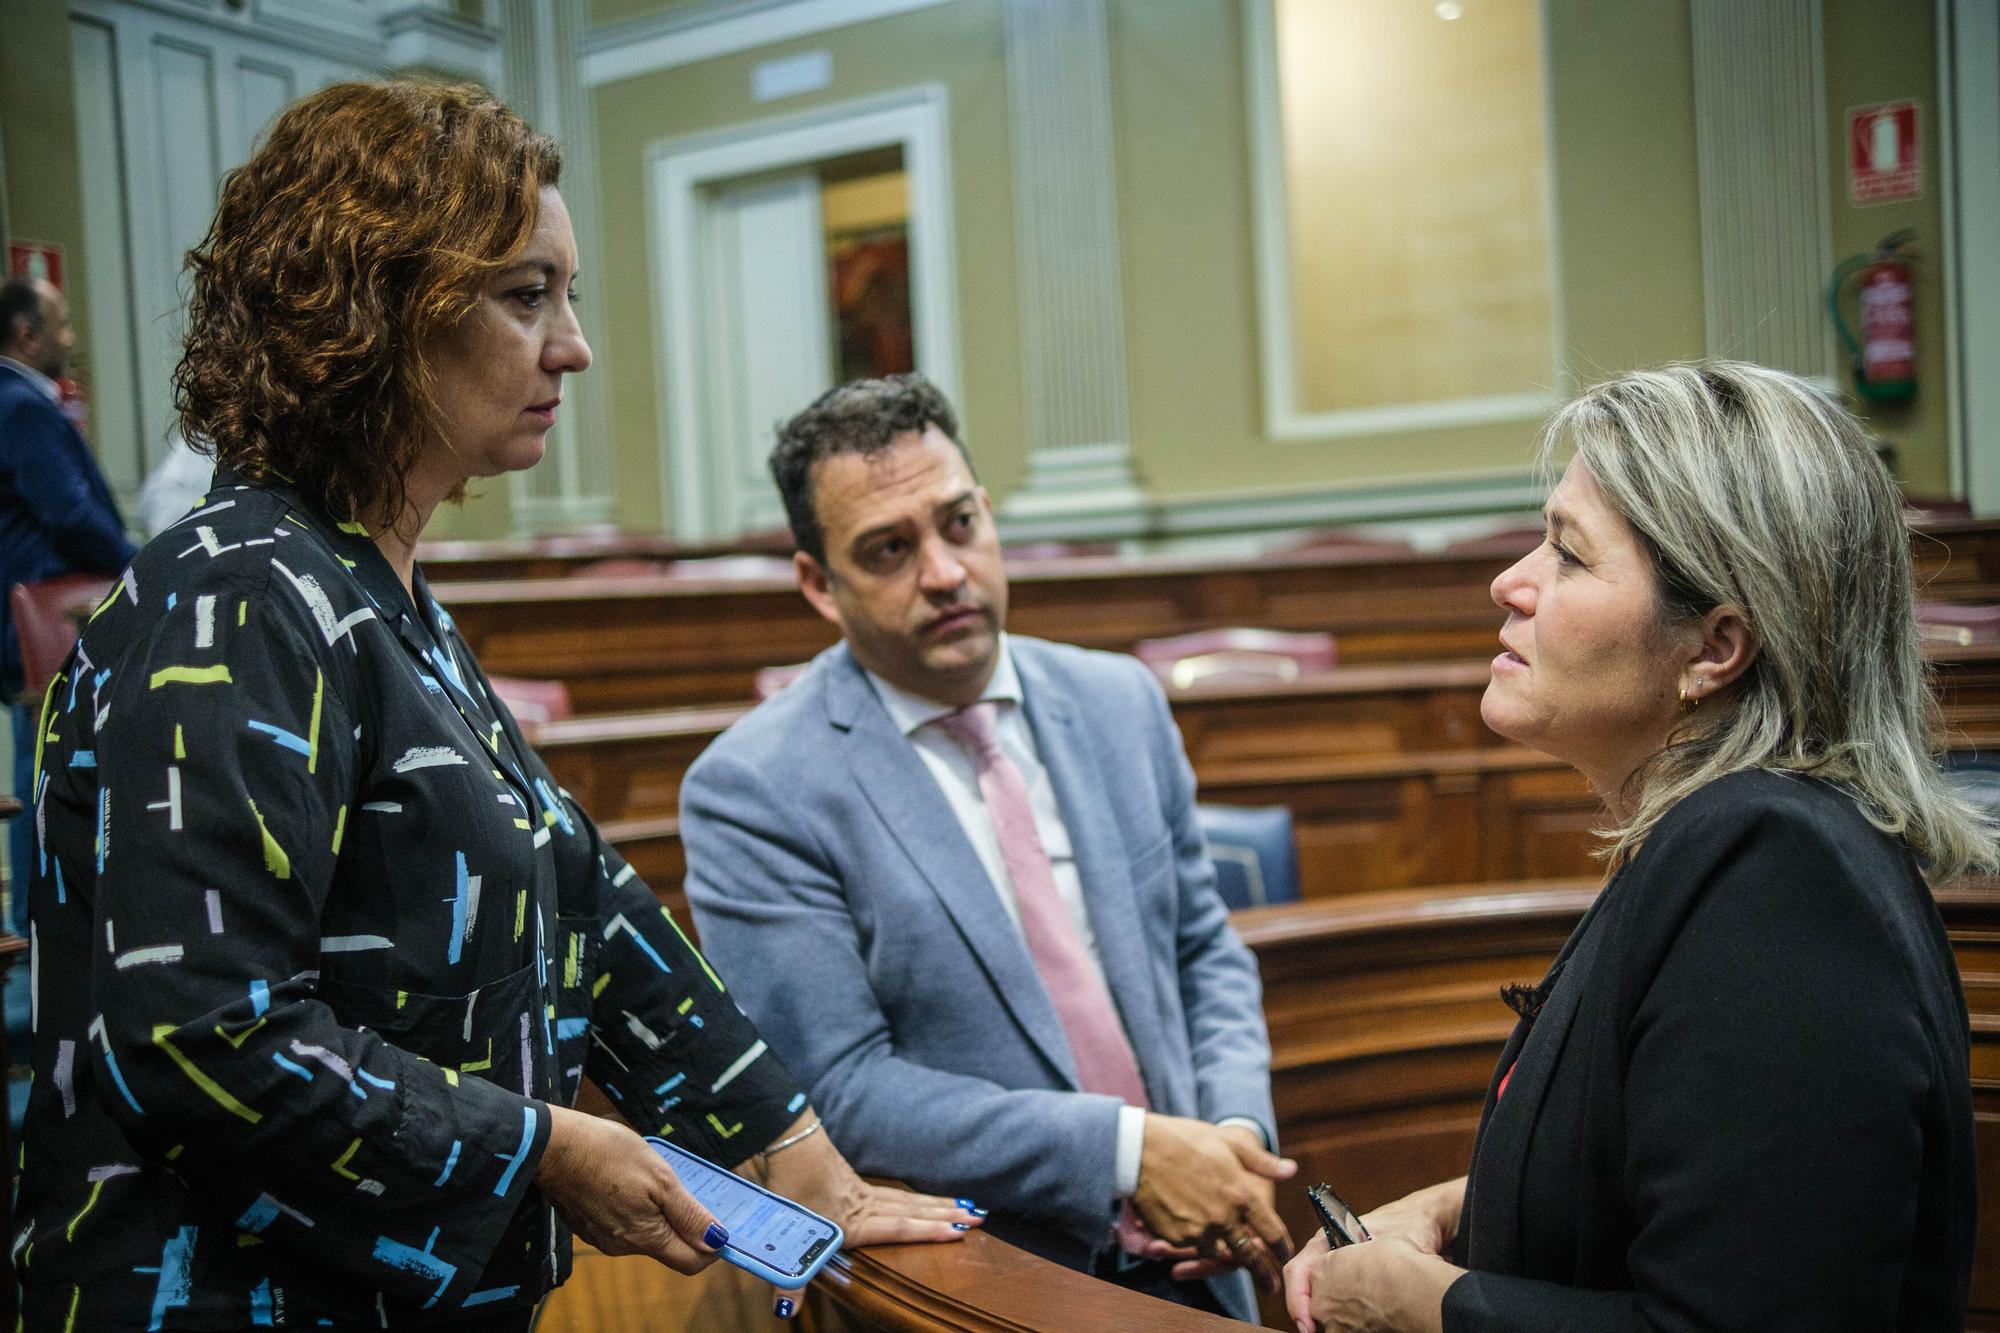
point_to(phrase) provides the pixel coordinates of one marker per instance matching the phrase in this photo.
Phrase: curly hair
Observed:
(356, 234)
(858, 417)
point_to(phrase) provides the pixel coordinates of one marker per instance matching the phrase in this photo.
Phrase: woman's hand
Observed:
(1425, 1222)
(616, 1193)
(1427, 1219)
(1378, 1286)
(813, 1172)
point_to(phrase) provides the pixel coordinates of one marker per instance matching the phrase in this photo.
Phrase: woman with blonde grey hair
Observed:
(1740, 1097)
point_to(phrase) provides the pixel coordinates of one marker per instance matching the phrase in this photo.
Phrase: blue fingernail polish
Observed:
(716, 1236)
(961, 1226)
(977, 1212)
(968, 1205)
(783, 1309)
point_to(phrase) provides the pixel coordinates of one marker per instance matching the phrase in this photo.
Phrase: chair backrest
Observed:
(1958, 622)
(770, 680)
(48, 617)
(620, 567)
(1256, 858)
(532, 702)
(1219, 655)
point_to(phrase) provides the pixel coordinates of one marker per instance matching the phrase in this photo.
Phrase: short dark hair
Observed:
(858, 417)
(20, 309)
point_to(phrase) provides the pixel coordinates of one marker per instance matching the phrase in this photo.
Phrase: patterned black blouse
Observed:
(316, 941)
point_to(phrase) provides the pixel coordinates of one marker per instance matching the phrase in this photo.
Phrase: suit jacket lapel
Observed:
(892, 776)
(1533, 1054)
(1103, 863)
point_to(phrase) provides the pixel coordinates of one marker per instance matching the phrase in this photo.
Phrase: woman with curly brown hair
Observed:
(336, 950)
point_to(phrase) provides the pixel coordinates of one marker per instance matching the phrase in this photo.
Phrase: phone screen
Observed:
(762, 1225)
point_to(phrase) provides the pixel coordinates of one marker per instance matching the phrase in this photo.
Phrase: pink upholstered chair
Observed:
(772, 679)
(1233, 656)
(533, 702)
(1960, 623)
(48, 616)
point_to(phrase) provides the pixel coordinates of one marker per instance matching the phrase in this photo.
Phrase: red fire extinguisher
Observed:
(1884, 357)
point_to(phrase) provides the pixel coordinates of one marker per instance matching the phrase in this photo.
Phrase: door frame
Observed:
(679, 173)
(1969, 94)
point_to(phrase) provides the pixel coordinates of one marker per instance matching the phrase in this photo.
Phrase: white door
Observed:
(165, 107)
(772, 350)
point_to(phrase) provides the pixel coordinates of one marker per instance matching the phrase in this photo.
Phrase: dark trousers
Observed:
(1151, 1277)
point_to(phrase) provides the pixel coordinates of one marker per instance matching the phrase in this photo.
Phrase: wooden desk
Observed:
(1391, 777)
(1386, 1024)
(653, 642)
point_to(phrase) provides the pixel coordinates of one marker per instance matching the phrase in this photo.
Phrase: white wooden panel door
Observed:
(773, 350)
(166, 106)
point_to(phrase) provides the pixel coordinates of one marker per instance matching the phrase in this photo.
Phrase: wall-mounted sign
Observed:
(35, 259)
(1883, 163)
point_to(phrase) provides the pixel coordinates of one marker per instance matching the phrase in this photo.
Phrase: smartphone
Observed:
(780, 1241)
(1336, 1219)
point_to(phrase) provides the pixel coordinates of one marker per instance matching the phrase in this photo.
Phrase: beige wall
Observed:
(38, 140)
(1625, 209)
(1629, 262)
(1626, 214)
(958, 46)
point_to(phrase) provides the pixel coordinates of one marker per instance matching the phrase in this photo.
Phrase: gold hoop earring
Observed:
(1690, 702)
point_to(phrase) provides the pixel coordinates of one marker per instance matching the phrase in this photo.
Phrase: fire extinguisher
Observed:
(1884, 357)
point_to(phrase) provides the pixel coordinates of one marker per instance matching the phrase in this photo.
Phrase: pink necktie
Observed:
(1104, 1059)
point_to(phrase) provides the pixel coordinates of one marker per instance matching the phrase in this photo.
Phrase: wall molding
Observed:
(1498, 493)
(630, 50)
(1271, 234)
(441, 40)
(1761, 148)
(678, 171)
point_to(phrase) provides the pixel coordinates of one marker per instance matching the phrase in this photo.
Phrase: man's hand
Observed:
(616, 1193)
(1207, 1192)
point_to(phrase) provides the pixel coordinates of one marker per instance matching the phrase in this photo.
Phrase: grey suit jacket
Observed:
(838, 895)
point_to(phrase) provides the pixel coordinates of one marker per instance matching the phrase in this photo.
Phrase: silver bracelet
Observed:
(788, 1141)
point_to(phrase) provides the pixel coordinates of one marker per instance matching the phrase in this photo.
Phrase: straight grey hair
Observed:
(1751, 489)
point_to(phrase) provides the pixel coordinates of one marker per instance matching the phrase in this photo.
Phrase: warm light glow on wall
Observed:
(1416, 178)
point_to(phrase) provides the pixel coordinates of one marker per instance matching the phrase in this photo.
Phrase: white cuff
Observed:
(1131, 1146)
(1250, 1125)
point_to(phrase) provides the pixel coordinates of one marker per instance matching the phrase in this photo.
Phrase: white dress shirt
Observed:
(952, 766)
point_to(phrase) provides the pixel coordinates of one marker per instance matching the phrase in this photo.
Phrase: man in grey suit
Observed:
(956, 880)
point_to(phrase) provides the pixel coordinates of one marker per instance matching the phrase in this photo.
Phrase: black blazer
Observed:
(1746, 1102)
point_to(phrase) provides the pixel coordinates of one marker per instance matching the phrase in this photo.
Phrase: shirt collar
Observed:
(350, 543)
(35, 377)
(910, 711)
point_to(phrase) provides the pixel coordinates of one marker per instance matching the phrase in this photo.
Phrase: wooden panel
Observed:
(659, 641)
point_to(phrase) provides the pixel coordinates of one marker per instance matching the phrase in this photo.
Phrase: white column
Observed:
(540, 44)
(1969, 59)
(1080, 478)
(1760, 137)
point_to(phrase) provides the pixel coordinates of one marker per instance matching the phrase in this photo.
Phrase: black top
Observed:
(1746, 1103)
(316, 939)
